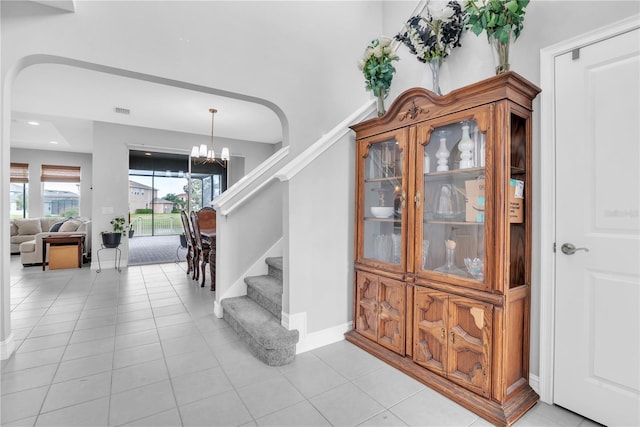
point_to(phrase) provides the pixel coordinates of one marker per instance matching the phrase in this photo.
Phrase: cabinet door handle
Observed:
(442, 333)
(417, 199)
(453, 337)
(403, 198)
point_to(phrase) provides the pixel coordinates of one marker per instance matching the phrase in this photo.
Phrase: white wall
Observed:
(321, 238)
(36, 158)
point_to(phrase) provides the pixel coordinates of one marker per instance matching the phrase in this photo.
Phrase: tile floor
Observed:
(143, 348)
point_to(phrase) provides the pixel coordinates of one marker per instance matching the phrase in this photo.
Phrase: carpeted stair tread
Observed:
(259, 323)
(275, 262)
(266, 291)
(275, 267)
(256, 317)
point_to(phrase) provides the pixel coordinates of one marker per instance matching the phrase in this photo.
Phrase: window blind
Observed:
(19, 172)
(53, 173)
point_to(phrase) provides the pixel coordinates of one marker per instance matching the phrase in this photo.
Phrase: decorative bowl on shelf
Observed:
(475, 267)
(382, 211)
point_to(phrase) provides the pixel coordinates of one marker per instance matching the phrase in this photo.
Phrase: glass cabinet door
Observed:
(453, 212)
(383, 200)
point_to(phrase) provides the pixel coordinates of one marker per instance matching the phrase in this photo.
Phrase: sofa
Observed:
(27, 234)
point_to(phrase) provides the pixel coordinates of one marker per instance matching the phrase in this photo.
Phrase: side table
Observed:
(65, 240)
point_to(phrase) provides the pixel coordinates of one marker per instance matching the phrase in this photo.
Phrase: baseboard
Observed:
(295, 321)
(313, 340)
(217, 310)
(7, 347)
(534, 382)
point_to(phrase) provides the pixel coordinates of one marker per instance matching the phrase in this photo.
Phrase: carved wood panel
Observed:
(367, 305)
(469, 344)
(391, 314)
(430, 329)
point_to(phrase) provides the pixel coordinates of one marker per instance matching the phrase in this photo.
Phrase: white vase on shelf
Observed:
(466, 148)
(443, 156)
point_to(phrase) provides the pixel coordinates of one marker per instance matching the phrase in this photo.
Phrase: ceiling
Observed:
(66, 100)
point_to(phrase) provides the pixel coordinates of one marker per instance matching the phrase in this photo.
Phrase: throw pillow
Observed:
(70, 225)
(29, 226)
(55, 227)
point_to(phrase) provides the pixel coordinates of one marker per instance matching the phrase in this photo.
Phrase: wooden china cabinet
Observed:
(443, 242)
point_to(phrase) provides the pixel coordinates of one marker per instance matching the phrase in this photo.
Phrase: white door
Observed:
(597, 336)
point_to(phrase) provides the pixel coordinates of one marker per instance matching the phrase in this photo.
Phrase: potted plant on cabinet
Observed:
(111, 239)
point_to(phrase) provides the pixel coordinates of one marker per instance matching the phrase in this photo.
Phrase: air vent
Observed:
(121, 110)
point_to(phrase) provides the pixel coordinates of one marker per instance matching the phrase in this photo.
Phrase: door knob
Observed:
(570, 249)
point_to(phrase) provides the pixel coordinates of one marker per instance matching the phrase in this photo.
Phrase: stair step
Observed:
(268, 340)
(275, 266)
(266, 291)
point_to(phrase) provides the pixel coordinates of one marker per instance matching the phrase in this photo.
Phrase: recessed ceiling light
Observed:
(53, 142)
(147, 154)
(33, 123)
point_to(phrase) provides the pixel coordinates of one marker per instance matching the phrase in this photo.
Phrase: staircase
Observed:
(256, 317)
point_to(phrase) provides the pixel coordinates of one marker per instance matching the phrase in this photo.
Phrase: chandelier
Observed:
(203, 154)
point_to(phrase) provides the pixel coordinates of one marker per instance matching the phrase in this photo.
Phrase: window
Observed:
(61, 190)
(19, 190)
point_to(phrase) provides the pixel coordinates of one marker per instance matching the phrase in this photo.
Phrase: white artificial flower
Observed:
(440, 10)
(368, 53)
(377, 51)
(384, 41)
(361, 64)
(417, 43)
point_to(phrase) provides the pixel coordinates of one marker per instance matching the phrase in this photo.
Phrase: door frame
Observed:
(548, 190)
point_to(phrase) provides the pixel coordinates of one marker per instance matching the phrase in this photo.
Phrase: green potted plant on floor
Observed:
(112, 239)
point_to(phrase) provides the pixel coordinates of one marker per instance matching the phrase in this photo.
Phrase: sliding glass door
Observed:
(158, 190)
(163, 184)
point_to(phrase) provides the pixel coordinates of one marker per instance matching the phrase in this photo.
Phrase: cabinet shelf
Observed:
(445, 222)
(374, 219)
(386, 179)
(474, 172)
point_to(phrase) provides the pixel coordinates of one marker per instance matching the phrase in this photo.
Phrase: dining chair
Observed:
(191, 246)
(207, 218)
(202, 248)
(207, 222)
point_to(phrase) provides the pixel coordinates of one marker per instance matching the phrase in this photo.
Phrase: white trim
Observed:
(248, 179)
(246, 197)
(295, 321)
(325, 142)
(7, 347)
(534, 382)
(547, 190)
(218, 311)
(311, 341)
